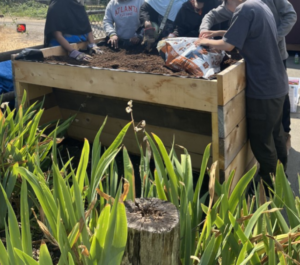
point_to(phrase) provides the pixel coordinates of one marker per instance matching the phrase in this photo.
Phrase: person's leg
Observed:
(260, 133)
(279, 135)
(286, 119)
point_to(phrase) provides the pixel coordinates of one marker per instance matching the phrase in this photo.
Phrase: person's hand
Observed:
(93, 48)
(135, 40)
(207, 34)
(201, 41)
(149, 37)
(147, 24)
(80, 56)
(114, 40)
(171, 35)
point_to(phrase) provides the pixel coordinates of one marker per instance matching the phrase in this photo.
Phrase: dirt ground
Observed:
(10, 39)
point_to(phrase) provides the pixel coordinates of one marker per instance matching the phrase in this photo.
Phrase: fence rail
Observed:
(96, 18)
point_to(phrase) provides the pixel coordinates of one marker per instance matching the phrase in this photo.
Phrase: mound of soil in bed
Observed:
(134, 59)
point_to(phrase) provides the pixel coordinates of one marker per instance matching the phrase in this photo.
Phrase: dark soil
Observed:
(136, 59)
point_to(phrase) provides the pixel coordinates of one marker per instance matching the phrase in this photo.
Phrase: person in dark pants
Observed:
(285, 18)
(189, 17)
(253, 32)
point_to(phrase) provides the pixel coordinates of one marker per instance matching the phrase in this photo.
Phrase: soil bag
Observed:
(182, 54)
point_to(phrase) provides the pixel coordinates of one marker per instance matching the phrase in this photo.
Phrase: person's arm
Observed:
(215, 16)
(180, 30)
(213, 33)
(146, 15)
(90, 38)
(288, 17)
(215, 44)
(62, 41)
(108, 22)
(71, 51)
(92, 47)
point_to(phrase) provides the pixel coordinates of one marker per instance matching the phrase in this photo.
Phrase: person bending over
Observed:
(253, 31)
(121, 22)
(285, 18)
(151, 18)
(67, 22)
(190, 16)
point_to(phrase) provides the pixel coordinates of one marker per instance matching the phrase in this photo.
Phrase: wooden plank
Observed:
(231, 114)
(192, 121)
(180, 92)
(51, 114)
(37, 91)
(293, 47)
(231, 82)
(194, 143)
(240, 163)
(19, 91)
(232, 144)
(131, 144)
(59, 51)
(49, 100)
(215, 141)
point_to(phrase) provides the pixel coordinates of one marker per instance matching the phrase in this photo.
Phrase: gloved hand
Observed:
(93, 48)
(80, 56)
(149, 37)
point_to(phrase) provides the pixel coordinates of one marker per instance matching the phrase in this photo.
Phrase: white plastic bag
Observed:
(182, 54)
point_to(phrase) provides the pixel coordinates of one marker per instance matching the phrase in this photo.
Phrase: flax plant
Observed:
(85, 229)
(20, 138)
(232, 228)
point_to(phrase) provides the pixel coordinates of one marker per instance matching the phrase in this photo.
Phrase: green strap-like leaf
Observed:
(170, 169)
(45, 258)
(98, 242)
(26, 258)
(3, 255)
(240, 188)
(159, 188)
(129, 175)
(96, 150)
(254, 219)
(84, 160)
(12, 224)
(26, 235)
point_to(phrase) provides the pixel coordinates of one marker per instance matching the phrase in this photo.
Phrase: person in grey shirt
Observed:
(253, 32)
(285, 18)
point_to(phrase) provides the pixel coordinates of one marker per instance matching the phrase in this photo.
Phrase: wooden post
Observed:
(153, 233)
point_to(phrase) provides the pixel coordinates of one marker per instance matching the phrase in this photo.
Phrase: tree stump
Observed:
(153, 233)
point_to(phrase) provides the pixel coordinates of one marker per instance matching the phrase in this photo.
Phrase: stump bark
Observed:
(153, 233)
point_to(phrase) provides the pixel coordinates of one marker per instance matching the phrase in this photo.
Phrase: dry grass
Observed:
(11, 40)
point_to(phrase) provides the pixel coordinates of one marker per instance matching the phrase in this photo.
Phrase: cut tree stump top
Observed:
(152, 215)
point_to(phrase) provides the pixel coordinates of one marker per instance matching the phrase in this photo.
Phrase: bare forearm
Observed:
(217, 44)
(62, 41)
(221, 33)
(91, 38)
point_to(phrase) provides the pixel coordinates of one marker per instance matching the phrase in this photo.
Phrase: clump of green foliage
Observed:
(29, 8)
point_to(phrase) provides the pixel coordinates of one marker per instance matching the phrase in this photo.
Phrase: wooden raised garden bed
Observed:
(196, 111)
